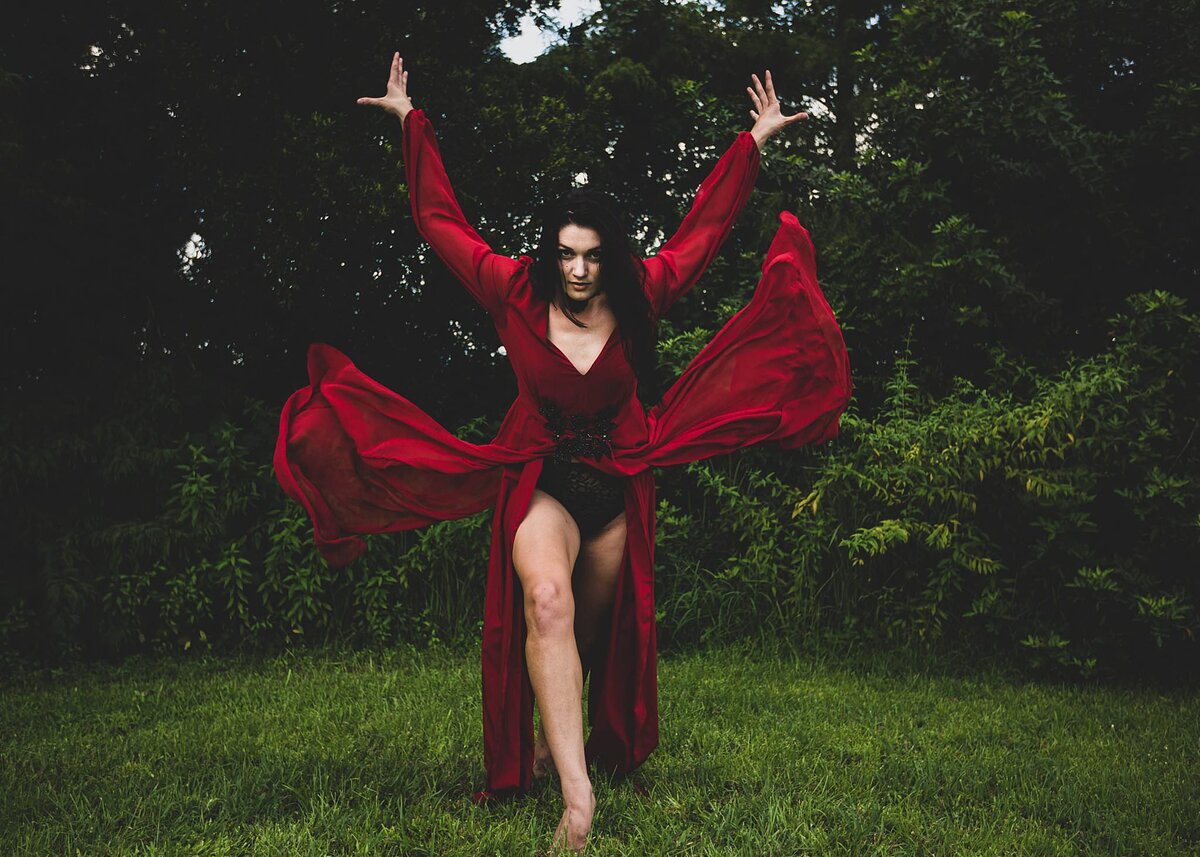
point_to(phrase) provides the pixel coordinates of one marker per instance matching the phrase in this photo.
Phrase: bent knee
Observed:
(549, 608)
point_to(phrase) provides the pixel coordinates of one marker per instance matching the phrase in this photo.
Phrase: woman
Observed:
(570, 579)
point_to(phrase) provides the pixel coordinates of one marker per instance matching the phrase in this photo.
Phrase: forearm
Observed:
(440, 220)
(719, 201)
(724, 193)
(435, 208)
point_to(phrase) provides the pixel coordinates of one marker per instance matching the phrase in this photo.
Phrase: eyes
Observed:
(566, 254)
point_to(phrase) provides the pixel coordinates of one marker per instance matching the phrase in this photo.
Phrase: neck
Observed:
(585, 308)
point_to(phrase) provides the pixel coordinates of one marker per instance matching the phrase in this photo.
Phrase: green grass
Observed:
(360, 753)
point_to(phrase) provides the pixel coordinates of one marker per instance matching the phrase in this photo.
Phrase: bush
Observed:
(1055, 518)
(199, 548)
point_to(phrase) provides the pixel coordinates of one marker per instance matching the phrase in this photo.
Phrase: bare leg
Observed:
(544, 553)
(543, 760)
(594, 582)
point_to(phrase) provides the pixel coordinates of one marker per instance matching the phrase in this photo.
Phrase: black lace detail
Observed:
(579, 435)
(592, 498)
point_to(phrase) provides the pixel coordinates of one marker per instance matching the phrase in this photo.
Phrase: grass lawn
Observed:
(367, 753)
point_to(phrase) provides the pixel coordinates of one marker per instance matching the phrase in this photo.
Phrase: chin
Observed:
(578, 296)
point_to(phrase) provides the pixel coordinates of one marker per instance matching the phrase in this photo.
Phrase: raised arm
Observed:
(720, 199)
(439, 218)
(681, 261)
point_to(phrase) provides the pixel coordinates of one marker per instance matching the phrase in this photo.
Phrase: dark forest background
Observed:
(1003, 197)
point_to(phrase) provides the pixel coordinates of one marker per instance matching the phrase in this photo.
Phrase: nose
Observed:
(579, 268)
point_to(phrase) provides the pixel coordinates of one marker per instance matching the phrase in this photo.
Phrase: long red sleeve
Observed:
(440, 220)
(682, 260)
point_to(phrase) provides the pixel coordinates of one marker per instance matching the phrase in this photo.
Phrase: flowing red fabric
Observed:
(363, 459)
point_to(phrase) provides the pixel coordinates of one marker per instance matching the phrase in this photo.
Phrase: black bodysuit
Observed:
(592, 498)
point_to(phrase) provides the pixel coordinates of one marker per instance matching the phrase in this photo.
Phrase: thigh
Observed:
(596, 571)
(546, 544)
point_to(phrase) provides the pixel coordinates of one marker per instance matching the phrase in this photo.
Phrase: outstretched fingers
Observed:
(755, 100)
(771, 87)
(397, 89)
(760, 94)
(399, 77)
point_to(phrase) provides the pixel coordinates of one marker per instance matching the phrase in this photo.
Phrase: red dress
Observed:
(362, 459)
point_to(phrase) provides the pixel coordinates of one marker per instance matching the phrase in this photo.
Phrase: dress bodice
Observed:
(551, 390)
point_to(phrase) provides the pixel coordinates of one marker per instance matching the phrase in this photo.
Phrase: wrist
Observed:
(760, 137)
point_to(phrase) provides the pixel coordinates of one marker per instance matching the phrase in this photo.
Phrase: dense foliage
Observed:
(1048, 515)
(1003, 202)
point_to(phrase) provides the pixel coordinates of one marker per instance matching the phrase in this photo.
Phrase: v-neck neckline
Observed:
(559, 352)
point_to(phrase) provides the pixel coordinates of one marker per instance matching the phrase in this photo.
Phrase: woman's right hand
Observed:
(397, 100)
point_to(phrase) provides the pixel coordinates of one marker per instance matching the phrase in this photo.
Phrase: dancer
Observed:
(570, 586)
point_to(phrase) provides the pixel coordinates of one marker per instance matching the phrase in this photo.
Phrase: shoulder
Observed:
(515, 280)
(518, 275)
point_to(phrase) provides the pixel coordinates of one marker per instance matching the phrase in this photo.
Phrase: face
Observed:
(579, 261)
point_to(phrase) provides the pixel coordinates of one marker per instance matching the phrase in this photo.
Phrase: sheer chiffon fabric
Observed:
(363, 459)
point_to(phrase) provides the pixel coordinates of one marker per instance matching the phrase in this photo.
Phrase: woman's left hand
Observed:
(768, 118)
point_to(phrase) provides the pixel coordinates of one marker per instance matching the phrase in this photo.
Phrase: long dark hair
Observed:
(622, 275)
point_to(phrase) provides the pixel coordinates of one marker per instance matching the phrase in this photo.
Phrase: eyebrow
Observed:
(562, 246)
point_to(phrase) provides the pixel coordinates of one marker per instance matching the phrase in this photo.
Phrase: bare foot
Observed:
(543, 762)
(579, 807)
